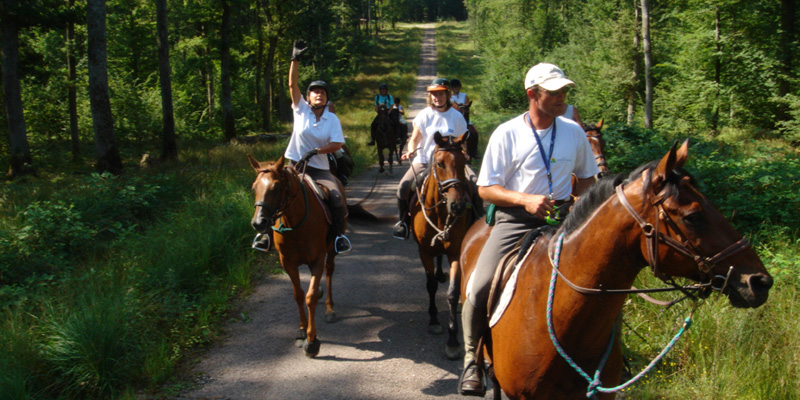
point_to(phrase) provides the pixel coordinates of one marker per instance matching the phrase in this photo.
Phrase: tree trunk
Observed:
(21, 160)
(717, 70)
(72, 92)
(266, 108)
(169, 147)
(633, 93)
(228, 126)
(108, 158)
(788, 44)
(648, 64)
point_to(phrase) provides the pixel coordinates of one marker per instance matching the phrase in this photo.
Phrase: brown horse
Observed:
(440, 217)
(595, 136)
(384, 133)
(286, 204)
(472, 136)
(655, 217)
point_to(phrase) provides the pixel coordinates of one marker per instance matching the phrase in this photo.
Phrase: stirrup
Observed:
(261, 242)
(400, 235)
(482, 381)
(342, 245)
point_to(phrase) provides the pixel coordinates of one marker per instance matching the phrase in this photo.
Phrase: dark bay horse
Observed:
(384, 132)
(440, 216)
(286, 204)
(472, 137)
(572, 285)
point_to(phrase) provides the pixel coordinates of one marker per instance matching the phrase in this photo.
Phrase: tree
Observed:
(648, 65)
(169, 149)
(21, 160)
(108, 158)
(228, 125)
(72, 77)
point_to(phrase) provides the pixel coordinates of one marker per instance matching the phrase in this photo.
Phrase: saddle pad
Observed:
(510, 287)
(320, 196)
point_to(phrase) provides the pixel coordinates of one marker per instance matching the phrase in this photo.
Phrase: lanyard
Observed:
(545, 157)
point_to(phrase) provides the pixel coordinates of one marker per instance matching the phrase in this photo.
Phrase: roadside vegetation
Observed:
(749, 175)
(109, 282)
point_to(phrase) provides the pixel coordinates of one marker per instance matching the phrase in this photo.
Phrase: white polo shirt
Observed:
(430, 121)
(308, 134)
(513, 160)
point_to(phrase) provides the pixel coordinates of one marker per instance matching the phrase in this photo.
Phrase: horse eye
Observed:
(440, 164)
(694, 219)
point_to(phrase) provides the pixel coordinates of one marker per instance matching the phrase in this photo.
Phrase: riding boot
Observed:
(473, 321)
(401, 230)
(341, 244)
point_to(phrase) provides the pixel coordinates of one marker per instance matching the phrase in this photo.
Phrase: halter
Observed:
(279, 211)
(599, 137)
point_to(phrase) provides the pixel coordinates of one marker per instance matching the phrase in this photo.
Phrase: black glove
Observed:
(299, 47)
(307, 156)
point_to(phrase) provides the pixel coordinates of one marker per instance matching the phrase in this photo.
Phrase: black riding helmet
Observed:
(319, 84)
(455, 83)
(383, 86)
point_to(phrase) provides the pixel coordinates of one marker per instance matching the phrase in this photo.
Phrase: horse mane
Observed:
(604, 188)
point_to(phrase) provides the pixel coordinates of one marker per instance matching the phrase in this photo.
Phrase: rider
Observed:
(382, 99)
(440, 117)
(315, 133)
(525, 172)
(458, 98)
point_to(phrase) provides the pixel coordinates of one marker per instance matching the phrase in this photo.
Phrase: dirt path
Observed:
(377, 349)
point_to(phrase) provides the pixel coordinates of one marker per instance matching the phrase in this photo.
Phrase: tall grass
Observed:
(106, 282)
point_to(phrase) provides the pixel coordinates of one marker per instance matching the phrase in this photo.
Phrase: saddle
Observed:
(323, 196)
(498, 296)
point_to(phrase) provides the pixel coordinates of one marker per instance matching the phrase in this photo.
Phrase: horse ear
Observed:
(683, 154)
(600, 124)
(254, 163)
(469, 104)
(665, 167)
(279, 163)
(461, 138)
(437, 137)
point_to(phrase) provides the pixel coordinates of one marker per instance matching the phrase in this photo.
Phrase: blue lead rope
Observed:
(594, 383)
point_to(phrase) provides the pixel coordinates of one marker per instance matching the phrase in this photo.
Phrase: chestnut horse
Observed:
(440, 216)
(594, 135)
(286, 203)
(655, 217)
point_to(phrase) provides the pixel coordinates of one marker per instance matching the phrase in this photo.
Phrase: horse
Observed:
(472, 137)
(384, 133)
(595, 136)
(440, 216)
(286, 203)
(655, 217)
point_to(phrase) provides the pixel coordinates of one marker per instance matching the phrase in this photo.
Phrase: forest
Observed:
(126, 123)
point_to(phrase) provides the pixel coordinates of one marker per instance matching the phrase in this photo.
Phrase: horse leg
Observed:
(432, 284)
(380, 156)
(312, 344)
(330, 266)
(299, 295)
(440, 276)
(391, 150)
(453, 348)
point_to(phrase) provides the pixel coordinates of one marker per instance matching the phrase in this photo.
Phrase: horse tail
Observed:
(357, 211)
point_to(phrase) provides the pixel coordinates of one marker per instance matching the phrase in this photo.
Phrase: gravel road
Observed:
(377, 349)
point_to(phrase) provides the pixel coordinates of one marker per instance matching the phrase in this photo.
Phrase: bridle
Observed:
(278, 212)
(442, 187)
(600, 159)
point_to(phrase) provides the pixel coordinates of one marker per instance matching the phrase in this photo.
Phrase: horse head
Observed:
(464, 108)
(447, 168)
(687, 236)
(271, 192)
(595, 136)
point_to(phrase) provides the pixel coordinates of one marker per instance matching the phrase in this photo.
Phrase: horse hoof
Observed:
(435, 329)
(442, 277)
(452, 353)
(381, 170)
(311, 349)
(300, 338)
(330, 317)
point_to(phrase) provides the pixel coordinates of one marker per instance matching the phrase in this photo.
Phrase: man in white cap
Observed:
(525, 173)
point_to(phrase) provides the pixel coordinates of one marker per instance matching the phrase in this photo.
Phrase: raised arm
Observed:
(298, 49)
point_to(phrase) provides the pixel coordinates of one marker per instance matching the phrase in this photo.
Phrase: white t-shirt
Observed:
(568, 114)
(430, 121)
(513, 160)
(459, 98)
(308, 134)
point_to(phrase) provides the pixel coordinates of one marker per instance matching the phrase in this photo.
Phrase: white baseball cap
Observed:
(546, 76)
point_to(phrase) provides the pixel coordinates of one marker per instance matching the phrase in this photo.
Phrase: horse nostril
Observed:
(759, 283)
